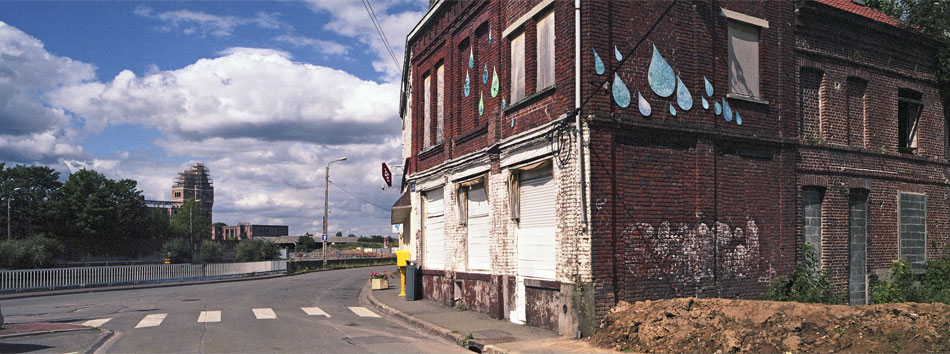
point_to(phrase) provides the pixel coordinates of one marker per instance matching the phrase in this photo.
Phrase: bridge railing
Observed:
(79, 277)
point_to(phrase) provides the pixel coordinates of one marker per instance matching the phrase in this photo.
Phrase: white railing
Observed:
(58, 278)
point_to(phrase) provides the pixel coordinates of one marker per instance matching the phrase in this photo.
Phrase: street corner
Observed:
(49, 337)
(27, 329)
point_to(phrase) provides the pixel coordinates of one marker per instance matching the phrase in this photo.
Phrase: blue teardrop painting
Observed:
(661, 77)
(705, 103)
(489, 35)
(621, 94)
(485, 74)
(726, 111)
(672, 110)
(617, 54)
(645, 109)
(709, 88)
(683, 97)
(468, 85)
(503, 104)
(598, 64)
(471, 59)
(738, 119)
(494, 82)
(718, 109)
(481, 103)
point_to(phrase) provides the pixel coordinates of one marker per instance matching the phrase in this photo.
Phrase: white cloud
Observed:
(204, 24)
(320, 45)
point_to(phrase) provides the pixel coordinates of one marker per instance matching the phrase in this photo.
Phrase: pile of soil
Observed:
(721, 325)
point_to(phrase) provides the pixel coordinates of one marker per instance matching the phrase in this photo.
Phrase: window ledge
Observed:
(472, 134)
(741, 97)
(530, 98)
(432, 150)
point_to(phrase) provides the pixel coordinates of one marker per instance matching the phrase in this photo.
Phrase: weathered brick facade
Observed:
(687, 199)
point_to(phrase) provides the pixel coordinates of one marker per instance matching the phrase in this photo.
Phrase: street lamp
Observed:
(9, 221)
(326, 210)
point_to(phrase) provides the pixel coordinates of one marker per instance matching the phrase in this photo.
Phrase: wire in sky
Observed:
(382, 34)
(358, 197)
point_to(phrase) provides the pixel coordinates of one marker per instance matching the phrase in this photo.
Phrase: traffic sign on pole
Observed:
(324, 237)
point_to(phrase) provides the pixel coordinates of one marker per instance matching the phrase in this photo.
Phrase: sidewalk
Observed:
(51, 338)
(474, 330)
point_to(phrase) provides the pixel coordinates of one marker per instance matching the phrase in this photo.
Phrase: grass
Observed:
(332, 266)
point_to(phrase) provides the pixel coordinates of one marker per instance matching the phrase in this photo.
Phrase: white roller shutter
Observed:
(434, 238)
(479, 226)
(536, 240)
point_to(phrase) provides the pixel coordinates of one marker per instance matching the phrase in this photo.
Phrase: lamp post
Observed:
(10, 221)
(326, 210)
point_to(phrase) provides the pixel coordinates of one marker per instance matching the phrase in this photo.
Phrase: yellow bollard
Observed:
(401, 258)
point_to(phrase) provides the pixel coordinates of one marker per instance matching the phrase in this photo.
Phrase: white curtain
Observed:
(546, 52)
(517, 68)
(427, 119)
(744, 59)
(439, 101)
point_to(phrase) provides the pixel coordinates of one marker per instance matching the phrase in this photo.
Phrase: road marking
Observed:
(314, 311)
(152, 320)
(96, 323)
(264, 314)
(363, 312)
(209, 316)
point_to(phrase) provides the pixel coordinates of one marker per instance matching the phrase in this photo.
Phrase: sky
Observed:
(264, 93)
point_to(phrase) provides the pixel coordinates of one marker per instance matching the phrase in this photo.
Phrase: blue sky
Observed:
(263, 92)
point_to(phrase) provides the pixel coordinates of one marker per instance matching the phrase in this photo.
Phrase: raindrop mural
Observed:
(738, 118)
(661, 76)
(726, 111)
(598, 64)
(485, 74)
(471, 58)
(481, 103)
(617, 54)
(503, 104)
(468, 85)
(621, 94)
(705, 103)
(489, 35)
(672, 110)
(718, 109)
(494, 82)
(683, 97)
(645, 109)
(709, 88)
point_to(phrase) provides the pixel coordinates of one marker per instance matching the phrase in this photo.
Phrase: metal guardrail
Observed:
(78, 277)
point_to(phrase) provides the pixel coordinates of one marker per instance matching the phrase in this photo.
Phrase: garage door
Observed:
(479, 226)
(536, 241)
(434, 238)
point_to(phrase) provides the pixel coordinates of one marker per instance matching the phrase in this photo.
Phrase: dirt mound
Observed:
(711, 325)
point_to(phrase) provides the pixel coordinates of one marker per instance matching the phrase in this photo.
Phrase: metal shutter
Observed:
(536, 240)
(434, 238)
(479, 226)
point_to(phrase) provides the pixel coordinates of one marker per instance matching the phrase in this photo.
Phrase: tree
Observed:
(190, 224)
(932, 18)
(210, 252)
(177, 251)
(340, 234)
(252, 250)
(306, 243)
(31, 207)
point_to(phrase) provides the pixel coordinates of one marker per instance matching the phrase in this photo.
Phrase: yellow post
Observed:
(401, 258)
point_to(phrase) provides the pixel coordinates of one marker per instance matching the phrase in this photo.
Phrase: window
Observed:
(426, 114)
(811, 218)
(546, 52)
(517, 68)
(439, 103)
(908, 115)
(743, 59)
(912, 214)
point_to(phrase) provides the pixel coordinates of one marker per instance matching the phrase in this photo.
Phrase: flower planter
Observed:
(379, 284)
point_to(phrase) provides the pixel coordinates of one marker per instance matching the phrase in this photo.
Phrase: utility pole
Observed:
(9, 220)
(326, 210)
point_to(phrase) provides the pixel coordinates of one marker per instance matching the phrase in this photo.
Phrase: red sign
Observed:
(387, 176)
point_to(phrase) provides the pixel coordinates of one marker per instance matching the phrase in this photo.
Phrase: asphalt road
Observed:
(258, 316)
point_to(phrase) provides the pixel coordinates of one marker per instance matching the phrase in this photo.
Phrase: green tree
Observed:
(306, 243)
(210, 252)
(31, 205)
(932, 17)
(252, 250)
(191, 224)
(176, 250)
(340, 234)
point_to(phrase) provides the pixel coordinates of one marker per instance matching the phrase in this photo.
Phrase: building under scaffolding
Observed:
(195, 183)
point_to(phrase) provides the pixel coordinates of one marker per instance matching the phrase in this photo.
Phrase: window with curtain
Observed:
(426, 114)
(743, 59)
(439, 103)
(517, 68)
(545, 51)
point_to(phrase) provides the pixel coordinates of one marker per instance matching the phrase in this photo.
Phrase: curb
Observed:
(420, 324)
(131, 287)
(5, 336)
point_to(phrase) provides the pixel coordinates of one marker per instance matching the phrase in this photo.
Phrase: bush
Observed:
(306, 244)
(210, 252)
(256, 250)
(177, 251)
(33, 252)
(903, 285)
(808, 283)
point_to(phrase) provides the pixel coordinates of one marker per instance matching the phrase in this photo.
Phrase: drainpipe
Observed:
(577, 110)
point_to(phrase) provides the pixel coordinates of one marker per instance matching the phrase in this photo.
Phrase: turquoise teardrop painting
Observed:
(661, 77)
(503, 104)
(726, 111)
(738, 119)
(598, 64)
(644, 106)
(471, 59)
(489, 35)
(621, 94)
(683, 97)
(485, 74)
(705, 103)
(718, 109)
(617, 54)
(494, 82)
(709, 88)
(672, 110)
(468, 85)
(481, 103)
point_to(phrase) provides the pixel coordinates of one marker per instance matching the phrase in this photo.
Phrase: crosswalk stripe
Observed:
(209, 316)
(363, 312)
(96, 322)
(152, 320)
(315, 311)
(264, 314)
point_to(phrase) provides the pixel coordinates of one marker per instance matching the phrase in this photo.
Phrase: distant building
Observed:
(195, 183)
(245, 230)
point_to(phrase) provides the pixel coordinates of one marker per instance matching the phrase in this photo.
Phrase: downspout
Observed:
(577, 111)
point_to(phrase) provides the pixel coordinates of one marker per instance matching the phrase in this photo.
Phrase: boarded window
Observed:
(743, 59)
(439, 103)
(857, 247)
(811, 218)
(426, 114)
(913, 229)
(517, 68)
(546, 51)
(908, 117)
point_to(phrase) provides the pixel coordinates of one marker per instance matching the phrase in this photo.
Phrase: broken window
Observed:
(743, 59)
(517, 68)
(909, 107)
(545, 51)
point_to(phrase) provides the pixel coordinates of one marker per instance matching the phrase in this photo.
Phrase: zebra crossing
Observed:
(214, 316)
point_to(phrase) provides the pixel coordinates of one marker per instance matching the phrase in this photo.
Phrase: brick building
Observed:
(243, 231)
(195, 184)
(691, 167)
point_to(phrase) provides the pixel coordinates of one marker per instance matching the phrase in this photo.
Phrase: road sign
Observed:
(324, 237)
(387, 175)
